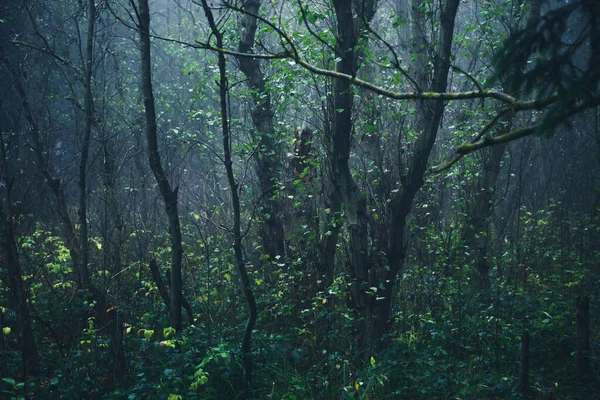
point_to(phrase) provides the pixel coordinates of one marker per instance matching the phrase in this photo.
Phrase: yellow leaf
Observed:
(6, 331)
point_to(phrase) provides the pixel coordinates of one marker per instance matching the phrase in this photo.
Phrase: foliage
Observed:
(447, 337)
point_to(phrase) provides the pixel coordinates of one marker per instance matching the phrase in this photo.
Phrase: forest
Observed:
(300, 199)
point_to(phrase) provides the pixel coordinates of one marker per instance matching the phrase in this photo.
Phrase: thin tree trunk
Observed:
(169, 194)
(88, 108)
(235, 202)
(524, 364)
(160, 284)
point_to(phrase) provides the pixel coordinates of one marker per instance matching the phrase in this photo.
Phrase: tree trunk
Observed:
(429, 114)
(524, 364)
(235, 202)
(476, 234)
(339, 146)
(160, 284)
(169, 194)
(330, 229)
(88, 108)
(267, 156)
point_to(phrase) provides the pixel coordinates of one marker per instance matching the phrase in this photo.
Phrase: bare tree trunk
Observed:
(235, 202)
(169, 194)
(268, 163)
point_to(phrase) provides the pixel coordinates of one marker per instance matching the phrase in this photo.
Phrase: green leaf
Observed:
(168, 332)
(10, 381)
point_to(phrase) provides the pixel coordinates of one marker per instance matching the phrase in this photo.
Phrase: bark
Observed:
(169, 194)
(184, 302)
(339, 145)
(330, 234)
(160, 284)
(333, 219)
(268, 152)
(235, 202)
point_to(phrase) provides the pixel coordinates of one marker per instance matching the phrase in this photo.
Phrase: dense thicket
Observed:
(348, 199)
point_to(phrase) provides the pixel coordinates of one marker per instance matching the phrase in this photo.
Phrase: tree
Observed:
(267, 155)
(235, 201)
(168, 193)
(477, 227)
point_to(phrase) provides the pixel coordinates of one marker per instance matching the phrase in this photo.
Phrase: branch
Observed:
(292, 53)
(480, 141)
